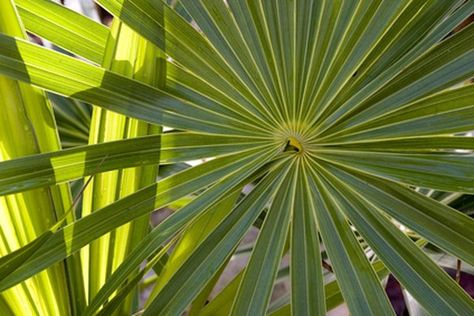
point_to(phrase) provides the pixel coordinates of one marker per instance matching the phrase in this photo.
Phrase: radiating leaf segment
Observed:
(333, 111)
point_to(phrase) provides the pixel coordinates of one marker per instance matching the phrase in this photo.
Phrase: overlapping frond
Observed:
(334, 110)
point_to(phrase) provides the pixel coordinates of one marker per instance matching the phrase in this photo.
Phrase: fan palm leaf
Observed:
(334, 110)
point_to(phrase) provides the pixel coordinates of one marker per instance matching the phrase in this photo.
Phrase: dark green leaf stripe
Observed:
(360, 286)
(438, 223)
(448, 172)
(417, 145)
(56, 167)
(80, 233)
(255, 288)
(68, 76)
(203, 203)
(211, 254)
(415, 270)
(307, 294)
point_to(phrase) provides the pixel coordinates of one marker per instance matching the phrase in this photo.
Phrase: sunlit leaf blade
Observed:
(348, 124)
(67, 76)
(65, 28)
(27, 127)
(162, 232)
(112, 305)
(119, 280)
(57, 167)
(148, 13)
(10, 262)
(222, 303)
(74, 236)
(202, 299)
(125, 53)
(193, 51)
(195, 233)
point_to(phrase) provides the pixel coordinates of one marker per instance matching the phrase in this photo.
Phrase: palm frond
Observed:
(334, 116)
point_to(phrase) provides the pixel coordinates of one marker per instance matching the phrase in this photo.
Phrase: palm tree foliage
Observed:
(334, 111)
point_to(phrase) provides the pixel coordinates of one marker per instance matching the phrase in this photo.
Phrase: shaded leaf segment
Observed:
(414, 269)
(78, 234)
(57, 167)
(334, 109)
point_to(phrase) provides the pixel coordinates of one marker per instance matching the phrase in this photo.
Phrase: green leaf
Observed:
(447, 172)
(170, 226)
(256, 39)
(359, 284)
(334, 116)
(10, 262)
(357, 42)
(185, 44)
(256, 286)
(307, 295)
(64, 27)
(112, 305)
(413, 269)
(56, 167)
(222, 303)
(27, 127)
(438, 223)
(126, 53)
(332, 291)
(195, 233)
(435, 144)
(414, 31)
(447, 112)
(65, 75)
(211, 254)
(80, 233)
(215, 21)
(73, 119)
(150, 15)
